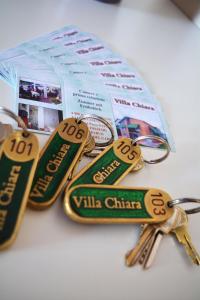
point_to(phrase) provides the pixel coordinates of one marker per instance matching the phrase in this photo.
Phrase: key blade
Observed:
(133, 255)
(149, 253)
(150, 256)
(184, 238)
(192, 252)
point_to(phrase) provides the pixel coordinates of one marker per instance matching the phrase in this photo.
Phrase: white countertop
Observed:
(54, 258)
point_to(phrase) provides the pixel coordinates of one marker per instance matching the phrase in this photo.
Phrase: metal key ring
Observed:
(156, 138)
(174, 202)
(11, 114)
(102, 120)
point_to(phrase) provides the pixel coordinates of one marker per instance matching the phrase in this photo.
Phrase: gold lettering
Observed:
(3, 214)
(109, 202)
(87, 201)
(101, 175)
(41, 186)
(53, 164)
(77, 201)
(6, 194)
(98, 177)
(114, 203)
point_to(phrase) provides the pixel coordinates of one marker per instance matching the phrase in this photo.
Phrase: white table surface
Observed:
(54, 258)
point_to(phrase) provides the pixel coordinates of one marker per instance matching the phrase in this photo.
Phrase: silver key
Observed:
(173, 222)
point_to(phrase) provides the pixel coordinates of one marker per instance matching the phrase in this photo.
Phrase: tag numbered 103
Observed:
(105, 204)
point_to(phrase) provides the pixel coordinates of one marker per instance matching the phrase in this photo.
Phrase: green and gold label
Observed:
(111, 165)
(57, 160)
(18, 159)
(116, 204)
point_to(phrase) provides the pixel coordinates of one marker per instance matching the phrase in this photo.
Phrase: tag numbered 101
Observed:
(18, 159)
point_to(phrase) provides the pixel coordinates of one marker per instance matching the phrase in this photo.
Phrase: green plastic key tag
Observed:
(58, 159)
(116, 204)
(18, 159)
(111, 166)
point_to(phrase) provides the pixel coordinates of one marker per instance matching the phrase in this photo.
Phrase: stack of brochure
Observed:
(69, 72)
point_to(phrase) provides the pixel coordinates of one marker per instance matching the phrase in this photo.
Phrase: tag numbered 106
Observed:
(58, 159)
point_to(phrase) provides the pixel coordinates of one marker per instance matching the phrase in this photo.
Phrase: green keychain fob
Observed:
(18, 159)
(111, 166)
(57, 160)
(116, 204)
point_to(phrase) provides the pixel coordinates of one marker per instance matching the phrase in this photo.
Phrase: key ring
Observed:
(11, 114)
(156, 138)
(98, 146)
(174, 202)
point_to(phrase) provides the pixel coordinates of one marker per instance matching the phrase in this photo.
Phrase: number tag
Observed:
(116, 204)
(18, 159)
(111, 166)
(57, 160)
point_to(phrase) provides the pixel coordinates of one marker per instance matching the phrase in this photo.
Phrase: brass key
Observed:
(184, 238)
(149, 253)
(134, 254)
(149, 241)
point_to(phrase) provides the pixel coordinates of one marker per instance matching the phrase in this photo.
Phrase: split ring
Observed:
(155, 138)
(102, 120)
(11, 114)
(186, 200)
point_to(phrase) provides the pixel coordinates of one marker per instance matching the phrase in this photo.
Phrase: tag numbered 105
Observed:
(111, 166)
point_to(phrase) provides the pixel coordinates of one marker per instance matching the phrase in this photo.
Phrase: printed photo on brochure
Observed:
(39, 118)
(40, 105)
(133, 119)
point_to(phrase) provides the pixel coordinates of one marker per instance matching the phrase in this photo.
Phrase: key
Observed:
(179, 220)
(151, 247)
(165, 228)
(133, 255)
(146, 254)
(184, 238)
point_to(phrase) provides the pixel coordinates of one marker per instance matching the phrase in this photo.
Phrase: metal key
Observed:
(134, 254)
(165, 228)
(184, 238)
(145, 250)
(151, 248)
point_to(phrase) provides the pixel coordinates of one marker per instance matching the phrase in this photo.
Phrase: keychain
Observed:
(19, 154)
(104, 204)
(59, 158)
(116, 161)
(116, 204)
